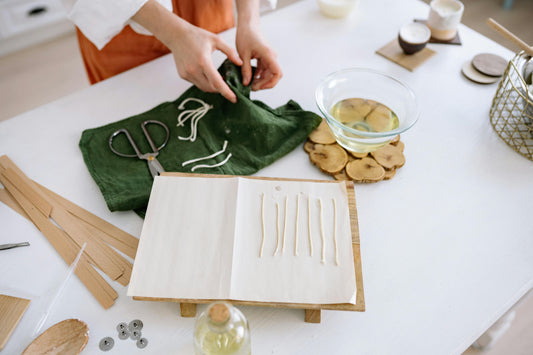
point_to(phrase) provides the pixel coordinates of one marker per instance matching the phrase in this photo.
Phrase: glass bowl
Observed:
(370, 85)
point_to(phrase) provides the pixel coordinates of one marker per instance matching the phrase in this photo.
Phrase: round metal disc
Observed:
(471, 73)
(142, 343)
(106, 344)
(123, 334)
(122, 326)
(489, 64)
(135, 335)
(136, 324)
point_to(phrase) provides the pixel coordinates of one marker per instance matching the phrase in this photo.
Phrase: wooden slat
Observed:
(26, 185)
(11, 311)
(6, 198)
(106, 238)
(97, 252)
(99, 288)
(113, 231)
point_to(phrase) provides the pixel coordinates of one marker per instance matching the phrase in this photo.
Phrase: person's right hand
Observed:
(191, 47)
(192, 52)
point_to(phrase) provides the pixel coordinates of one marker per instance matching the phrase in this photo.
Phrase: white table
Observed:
(447, 244)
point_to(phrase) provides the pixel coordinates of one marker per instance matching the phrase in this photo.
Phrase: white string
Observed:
(194, 114)
(278, 229)
(323, 260)
(212, 166)
(207, 157)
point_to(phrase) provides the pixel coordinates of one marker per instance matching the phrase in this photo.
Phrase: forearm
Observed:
(161, 22)
(247, 13)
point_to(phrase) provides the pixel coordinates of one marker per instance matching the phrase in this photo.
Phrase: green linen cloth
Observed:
(256, 136)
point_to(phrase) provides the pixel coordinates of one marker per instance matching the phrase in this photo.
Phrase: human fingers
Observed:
(246, 70)
(267, 77)
(218, 84)
(228, 51)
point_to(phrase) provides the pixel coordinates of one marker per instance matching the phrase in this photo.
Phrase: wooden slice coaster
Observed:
(471, 73)
(489, 64)
(342, 164)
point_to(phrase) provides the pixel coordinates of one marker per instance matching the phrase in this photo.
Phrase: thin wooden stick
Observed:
(510, 36)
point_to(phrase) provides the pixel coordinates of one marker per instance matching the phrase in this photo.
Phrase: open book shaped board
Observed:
(330, 264)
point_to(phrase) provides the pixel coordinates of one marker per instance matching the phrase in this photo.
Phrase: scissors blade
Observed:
(155, 167)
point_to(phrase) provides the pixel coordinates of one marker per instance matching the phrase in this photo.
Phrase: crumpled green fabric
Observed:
(257, 135)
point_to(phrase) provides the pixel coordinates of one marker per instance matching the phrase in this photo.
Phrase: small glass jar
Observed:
(222, 329)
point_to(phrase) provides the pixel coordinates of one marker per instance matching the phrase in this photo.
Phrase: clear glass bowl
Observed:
(366, 84)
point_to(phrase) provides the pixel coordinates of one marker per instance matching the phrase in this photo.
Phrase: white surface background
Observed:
(447, 244)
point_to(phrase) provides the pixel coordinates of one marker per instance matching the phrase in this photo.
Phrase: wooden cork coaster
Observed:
(471, 73)
(393, 52)
(332, 159)
(489, 64)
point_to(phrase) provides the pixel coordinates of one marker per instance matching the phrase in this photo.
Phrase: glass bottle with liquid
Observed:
(222, 330)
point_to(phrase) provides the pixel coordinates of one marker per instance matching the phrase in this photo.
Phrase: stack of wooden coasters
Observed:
(485, 68)
(332, 159)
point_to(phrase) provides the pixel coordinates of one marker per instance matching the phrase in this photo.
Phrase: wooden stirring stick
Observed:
(510, 36)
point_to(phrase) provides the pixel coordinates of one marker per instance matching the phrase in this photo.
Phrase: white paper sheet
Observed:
(202, 237)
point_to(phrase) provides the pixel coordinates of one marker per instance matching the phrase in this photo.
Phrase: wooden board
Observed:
(393, 52)
(11, 311)
(314, 317)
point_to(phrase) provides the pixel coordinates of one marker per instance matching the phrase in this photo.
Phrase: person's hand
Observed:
(251, 45)
(192, 55)
(191, 47)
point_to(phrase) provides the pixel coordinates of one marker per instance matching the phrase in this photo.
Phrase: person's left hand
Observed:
(251, 45)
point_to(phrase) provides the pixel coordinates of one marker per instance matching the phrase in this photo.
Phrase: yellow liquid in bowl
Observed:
(365, 116)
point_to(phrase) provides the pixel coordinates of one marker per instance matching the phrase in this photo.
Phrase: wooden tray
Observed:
(312, 311)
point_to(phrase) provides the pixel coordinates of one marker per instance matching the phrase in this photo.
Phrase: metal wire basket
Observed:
(511, 114)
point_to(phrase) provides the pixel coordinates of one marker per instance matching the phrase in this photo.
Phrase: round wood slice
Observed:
(309, 146)
(322, 134)
(365, 170)
(341, 176)
(471, 73)
(331, 159)
(389, 157)
(489, 64)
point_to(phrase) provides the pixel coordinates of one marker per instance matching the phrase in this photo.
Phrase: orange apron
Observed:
(129, 49)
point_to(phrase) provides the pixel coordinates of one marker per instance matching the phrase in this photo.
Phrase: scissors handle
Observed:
(138, 153)
(149, 138)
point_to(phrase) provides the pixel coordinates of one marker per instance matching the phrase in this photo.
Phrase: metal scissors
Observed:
(151, 158)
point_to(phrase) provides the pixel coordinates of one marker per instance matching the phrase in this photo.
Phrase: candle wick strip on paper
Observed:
(309, 225)
(207, 157)
(335, 230)
(323, 260)
(285, 224)
(212, 166)
(296, 225)
(262, 225)
(277, 228)
(194, 114)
